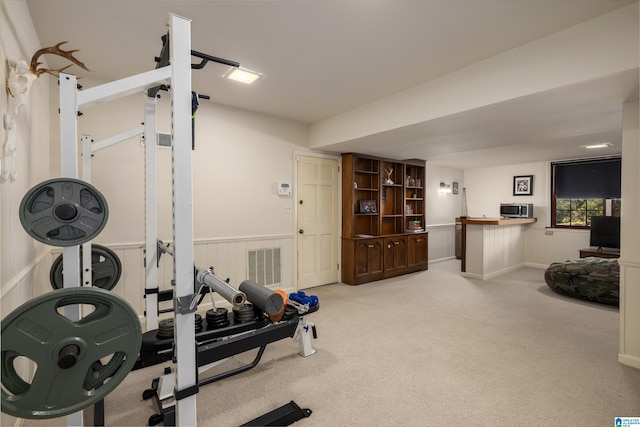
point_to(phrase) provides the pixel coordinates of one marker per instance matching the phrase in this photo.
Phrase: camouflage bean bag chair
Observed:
(592, 279)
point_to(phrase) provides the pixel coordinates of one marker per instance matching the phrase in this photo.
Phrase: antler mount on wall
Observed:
(21, 77)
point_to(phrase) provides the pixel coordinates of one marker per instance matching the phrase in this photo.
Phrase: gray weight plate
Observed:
(63, 212)
(105, 269)
(78, 362)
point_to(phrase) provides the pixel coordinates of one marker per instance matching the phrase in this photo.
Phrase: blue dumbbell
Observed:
(302, 298)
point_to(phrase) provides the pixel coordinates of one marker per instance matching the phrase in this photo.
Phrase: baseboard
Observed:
(435, 261)
(629, 360)
(536, 265)
(494, 274)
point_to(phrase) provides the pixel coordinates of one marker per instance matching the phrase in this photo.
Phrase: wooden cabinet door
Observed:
(395, 254)
(418, 250)
(368, 259)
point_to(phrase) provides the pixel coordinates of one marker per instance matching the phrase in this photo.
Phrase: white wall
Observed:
(239, 158)
(488, 187)
(442, 209)
(24, 263)
(630, 239)
(20, 253)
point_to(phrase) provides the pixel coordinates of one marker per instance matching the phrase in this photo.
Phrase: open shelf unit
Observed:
(383, 205)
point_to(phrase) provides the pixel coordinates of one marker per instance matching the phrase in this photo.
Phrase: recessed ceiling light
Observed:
(242, 75)
(602, 145)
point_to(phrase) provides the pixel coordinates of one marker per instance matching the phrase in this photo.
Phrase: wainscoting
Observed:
(27, 284)
(442, 238)
(228, 257)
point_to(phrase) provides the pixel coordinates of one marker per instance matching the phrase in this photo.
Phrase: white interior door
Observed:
(317, 220)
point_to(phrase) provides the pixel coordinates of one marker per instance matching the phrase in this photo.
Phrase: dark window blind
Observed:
(588, 179)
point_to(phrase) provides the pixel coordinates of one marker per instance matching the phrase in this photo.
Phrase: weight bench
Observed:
(214, 345)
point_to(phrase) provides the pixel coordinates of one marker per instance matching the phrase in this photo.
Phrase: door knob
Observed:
(301, 231)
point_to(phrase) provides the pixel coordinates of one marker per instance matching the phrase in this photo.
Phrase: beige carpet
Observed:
(427, 349)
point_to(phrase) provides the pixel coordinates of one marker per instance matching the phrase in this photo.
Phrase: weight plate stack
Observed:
(217, 318)
(63, 212)
(78, 362)
(198, 322)
(165, 328)
(244, 313)
(105, 269)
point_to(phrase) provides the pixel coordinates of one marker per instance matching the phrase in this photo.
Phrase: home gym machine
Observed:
(85, 340)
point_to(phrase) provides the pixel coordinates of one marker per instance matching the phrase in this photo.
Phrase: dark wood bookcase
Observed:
(383, 218)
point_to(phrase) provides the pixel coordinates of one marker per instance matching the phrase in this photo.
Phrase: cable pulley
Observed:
(63, 212)
(77, 363)
(105, 269)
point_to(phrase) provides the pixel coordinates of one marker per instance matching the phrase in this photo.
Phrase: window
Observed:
(582, 189)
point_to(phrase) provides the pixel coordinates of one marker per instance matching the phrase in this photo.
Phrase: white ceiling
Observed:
(324, 57)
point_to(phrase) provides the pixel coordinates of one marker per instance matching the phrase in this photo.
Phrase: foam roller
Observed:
(262, 297)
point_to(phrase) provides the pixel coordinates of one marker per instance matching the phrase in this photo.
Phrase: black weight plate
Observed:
(105, 269)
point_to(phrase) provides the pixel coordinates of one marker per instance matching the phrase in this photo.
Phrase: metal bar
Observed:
(150, 212)
(69, 169)
(207, 58)
(123, 87)
(235, 371)
(180, 39)
(209, 353)
(282, 416)
(227, 292)
(87, 259)
(96, 146)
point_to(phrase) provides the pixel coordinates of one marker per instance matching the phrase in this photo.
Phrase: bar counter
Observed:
(492, 246)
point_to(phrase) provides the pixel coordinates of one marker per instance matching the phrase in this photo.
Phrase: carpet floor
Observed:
(426, 349)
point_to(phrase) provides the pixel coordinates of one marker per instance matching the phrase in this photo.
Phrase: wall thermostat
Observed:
(284, 189)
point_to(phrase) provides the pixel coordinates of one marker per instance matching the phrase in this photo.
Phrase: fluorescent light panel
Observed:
(602, 145)
(242, 75)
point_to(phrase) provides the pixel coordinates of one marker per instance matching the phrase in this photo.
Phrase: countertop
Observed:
(498, 221)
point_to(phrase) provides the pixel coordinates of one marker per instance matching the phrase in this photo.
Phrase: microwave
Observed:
(516, 210)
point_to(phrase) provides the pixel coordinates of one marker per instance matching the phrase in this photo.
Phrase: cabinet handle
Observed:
(418, 240)
(301, 231)
(370, 246)
(396, 243)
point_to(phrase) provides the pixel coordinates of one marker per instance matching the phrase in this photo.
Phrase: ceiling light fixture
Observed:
(602, 145)
(242, 75)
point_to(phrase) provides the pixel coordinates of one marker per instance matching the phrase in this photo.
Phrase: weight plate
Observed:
(77, 362)
(63, 212)
(105, 269)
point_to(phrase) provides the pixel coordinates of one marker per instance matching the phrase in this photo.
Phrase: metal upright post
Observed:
(87, 152)
(151, 212)
(185, 348)
(69, 169)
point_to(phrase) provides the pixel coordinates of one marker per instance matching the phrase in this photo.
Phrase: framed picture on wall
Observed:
(368, 206)
(523, 185)
(454, 188)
